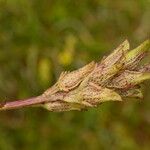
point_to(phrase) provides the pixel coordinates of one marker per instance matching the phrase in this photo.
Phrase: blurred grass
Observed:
(41, 38)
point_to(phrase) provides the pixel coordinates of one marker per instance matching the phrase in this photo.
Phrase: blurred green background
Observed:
(41, 38)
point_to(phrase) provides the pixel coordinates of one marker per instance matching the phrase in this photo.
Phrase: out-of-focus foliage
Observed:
(41, 38)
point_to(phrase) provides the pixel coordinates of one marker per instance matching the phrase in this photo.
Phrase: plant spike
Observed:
(115, 78)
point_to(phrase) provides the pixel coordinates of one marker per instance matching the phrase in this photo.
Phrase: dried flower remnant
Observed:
(134, 56)
(128, 79)
(115, 78)
(135, 92)
(70, 80)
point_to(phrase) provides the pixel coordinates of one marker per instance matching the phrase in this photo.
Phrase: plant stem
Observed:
(22, 103)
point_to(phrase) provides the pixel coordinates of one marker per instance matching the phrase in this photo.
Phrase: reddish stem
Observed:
(22, 103)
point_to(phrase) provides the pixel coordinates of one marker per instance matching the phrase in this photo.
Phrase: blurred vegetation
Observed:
(41, 38)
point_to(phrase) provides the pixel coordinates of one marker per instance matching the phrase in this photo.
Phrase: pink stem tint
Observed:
(22, 103)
